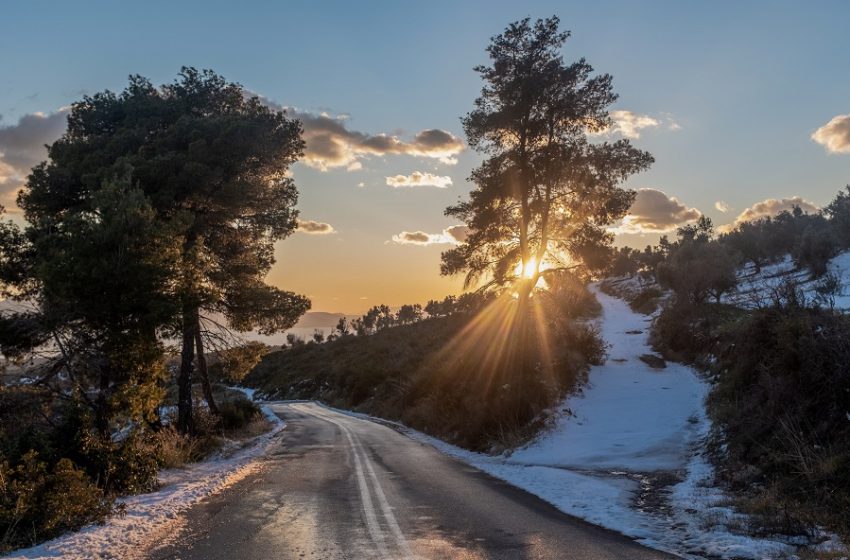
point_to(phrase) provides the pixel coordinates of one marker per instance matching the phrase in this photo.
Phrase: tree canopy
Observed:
(546, 193)
(206, 166)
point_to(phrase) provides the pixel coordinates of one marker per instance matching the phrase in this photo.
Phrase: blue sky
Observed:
(745, 83)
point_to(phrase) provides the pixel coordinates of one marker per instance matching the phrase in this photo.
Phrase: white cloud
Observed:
(834, 135)
(314, 228)
(419, 179)
(653, 211)
(722, 206)
(629, 124)
(452, 235)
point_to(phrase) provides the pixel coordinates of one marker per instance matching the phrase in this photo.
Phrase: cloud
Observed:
(770, 207)
(22, 146)
(458, 233)
(452, 235)
(419, 179)
(722, 206)
(834, 135)
(331, 144)
(314, 228)
(629, 124)
(654, 212)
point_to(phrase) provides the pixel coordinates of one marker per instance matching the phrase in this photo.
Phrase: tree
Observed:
(696, 270)
(838, 212)
(545, 193)
(814, 250)
(212, 162)
(100, 286)
(749, 240)
(343, 327)
(702, 231)
(409, 314)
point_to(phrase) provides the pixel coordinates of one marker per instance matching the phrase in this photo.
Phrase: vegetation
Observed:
(462, 376)
(780, 397)
(545, 194)
(781, 400)
(153, 219)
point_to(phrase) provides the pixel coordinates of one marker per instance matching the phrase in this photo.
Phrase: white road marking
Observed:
(361, 455)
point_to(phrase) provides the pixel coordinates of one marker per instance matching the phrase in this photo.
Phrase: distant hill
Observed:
(319, 320)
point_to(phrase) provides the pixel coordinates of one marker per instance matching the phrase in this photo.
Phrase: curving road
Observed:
(342, 487)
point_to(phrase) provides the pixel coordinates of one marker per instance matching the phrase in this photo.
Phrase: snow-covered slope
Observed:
(631, 416)
(756, 289)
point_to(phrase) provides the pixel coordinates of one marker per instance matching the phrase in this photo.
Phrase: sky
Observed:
(745, 106)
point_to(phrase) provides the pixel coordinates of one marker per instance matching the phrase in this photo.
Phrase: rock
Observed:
(653, 361)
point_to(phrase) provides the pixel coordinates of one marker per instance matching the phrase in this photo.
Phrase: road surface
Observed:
(339, 487)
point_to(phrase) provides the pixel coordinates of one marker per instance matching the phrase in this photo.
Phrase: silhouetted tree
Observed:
(838, 212)
(99, 279)
(343, 327)
(409, 314)
(545, 193)
(212, 162)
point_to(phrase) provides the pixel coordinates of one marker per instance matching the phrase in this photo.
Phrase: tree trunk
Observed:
(101, 414)
(185, 423)
(202, 367)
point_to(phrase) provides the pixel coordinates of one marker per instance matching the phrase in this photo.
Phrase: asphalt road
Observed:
(342, 487)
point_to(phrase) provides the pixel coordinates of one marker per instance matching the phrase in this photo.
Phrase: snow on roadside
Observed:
(154, 516)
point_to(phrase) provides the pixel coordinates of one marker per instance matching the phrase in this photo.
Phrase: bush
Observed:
(690, 333)
(37, 503)
(646, 300)
(781, 398)
(237, 413)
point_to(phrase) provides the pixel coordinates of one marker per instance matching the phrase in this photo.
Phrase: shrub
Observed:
(782, 396)
(646, 300)
(37, 503)
(690, 333)
(237, 413)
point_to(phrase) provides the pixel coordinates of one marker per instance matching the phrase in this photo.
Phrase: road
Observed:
(340, 487)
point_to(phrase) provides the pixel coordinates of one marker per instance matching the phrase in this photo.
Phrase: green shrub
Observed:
(237, 413)
(687, 332)
(782, 398)
(37, 503)
(646, 301)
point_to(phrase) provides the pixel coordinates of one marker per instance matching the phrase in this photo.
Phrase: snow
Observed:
(631, 416)
(756, 289)
(153, 517)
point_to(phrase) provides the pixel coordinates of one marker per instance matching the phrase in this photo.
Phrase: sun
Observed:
(528, 270)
